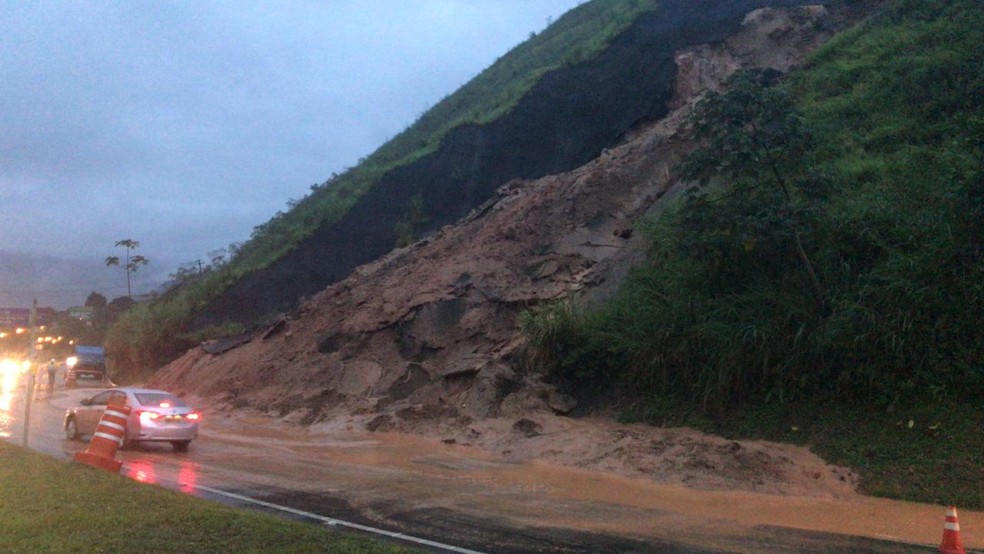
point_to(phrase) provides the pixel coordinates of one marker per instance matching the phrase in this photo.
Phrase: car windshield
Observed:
(158, 399)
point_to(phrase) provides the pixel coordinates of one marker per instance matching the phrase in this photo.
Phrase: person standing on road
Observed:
(51, 375)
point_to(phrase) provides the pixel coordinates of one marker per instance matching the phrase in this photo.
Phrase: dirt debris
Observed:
(424, 339)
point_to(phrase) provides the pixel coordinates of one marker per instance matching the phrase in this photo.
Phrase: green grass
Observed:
(51, 506)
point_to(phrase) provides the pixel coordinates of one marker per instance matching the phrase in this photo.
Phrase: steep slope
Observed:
(567, 119)
(424, 339)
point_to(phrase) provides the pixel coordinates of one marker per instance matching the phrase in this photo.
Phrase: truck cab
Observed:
(89, 362)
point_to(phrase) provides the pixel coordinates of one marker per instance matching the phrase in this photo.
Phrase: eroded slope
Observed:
(424, 340)
(565, 121)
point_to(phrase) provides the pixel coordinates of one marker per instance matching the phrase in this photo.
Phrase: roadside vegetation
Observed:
(151, 335)
(823, 282)
(47, 505)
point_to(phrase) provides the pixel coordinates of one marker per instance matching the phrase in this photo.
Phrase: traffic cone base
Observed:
(952, 544)
(101, 462)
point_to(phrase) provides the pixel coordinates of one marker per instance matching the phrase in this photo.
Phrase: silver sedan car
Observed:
(155, 416)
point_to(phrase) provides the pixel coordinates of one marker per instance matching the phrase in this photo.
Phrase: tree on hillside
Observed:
(756, 144)
(95, 301)
(130, 263)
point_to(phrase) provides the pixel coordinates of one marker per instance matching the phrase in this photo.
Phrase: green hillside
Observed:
(825, 285)
(151, 334)
(578, 35)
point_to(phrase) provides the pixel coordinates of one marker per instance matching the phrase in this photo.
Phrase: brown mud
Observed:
(404, 480)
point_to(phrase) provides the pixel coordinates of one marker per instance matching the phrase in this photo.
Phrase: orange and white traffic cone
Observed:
(951, 534)
(108, 437)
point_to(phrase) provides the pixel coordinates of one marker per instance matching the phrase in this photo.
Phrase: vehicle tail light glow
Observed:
(165, 404)
(148, 416)
(194, 416)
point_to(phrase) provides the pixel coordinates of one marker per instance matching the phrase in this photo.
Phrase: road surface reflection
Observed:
(146, 471)
(10, 374)
(143, 471)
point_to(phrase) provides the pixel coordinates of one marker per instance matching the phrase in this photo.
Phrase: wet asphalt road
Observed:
(431, 493)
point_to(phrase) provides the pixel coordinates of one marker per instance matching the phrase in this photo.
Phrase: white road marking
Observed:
(330, 521)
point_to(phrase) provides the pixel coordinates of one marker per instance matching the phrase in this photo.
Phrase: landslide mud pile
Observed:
(424, 340)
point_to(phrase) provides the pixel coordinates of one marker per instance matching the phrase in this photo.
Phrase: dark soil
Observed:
(566, 120)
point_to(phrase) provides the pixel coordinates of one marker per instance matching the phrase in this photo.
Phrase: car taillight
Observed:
(148, 416)
(193, 416)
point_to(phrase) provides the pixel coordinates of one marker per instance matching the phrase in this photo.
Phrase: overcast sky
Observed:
(183, 125)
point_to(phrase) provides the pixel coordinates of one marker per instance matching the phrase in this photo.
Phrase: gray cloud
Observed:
(185, 125)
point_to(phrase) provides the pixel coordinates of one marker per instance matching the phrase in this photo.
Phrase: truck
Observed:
(89, 362)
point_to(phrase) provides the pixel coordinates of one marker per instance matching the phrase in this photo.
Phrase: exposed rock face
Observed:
(568, 119)
(424, 339)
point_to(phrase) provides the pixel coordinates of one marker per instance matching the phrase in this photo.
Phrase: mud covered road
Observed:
(464, 498)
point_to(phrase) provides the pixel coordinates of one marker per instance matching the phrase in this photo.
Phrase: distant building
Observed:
(11, 318)
(81, 312)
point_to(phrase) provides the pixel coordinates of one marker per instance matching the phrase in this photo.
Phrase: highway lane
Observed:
(464, 498)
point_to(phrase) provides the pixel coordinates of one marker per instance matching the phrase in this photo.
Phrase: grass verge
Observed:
(47, 505)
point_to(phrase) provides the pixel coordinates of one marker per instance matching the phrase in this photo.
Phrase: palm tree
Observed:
(132, 263)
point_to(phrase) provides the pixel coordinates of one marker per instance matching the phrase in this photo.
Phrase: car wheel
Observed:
(71, 429)
(180, 446)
